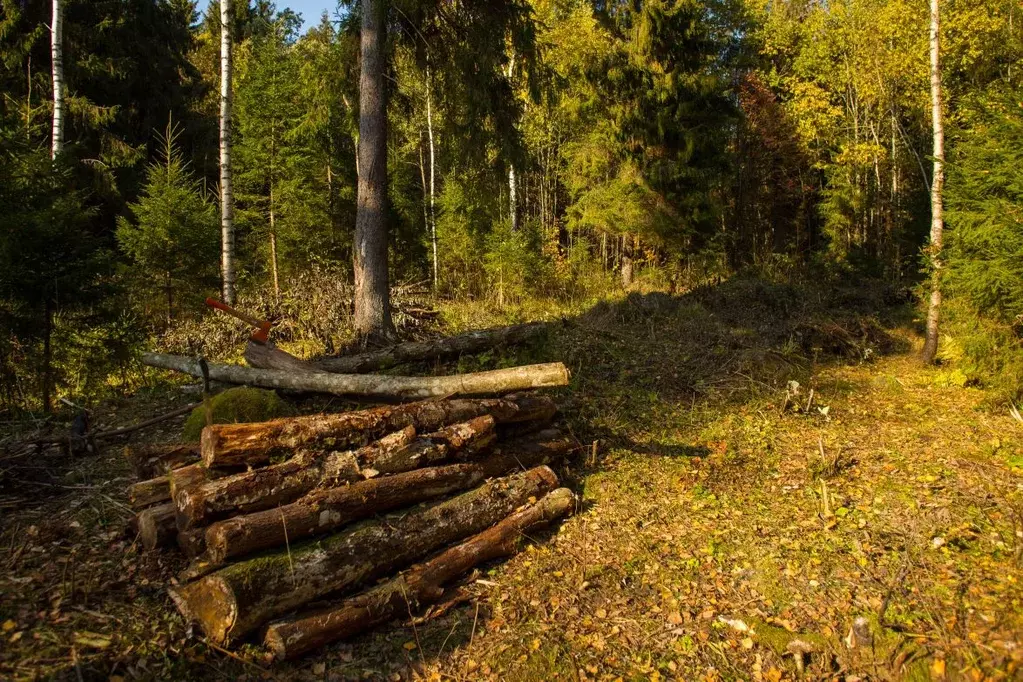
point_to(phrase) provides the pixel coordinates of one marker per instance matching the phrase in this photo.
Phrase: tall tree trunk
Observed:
(513, 207)
(226, 196)
(372, 296)
(513, 197)
(626, 262)
(937, 183)
(57, 56)
(273, 247)
(168, 285)
(47, 356)
(433, 175)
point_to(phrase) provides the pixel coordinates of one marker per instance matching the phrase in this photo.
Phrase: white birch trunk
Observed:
(937, 184)
(57, 56)
(226, 196)
(512, 187)
(433, 177)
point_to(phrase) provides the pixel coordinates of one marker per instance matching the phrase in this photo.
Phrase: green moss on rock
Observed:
(237, 405)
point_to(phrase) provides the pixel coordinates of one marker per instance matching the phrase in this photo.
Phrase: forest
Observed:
(777, 246)
(550, 150)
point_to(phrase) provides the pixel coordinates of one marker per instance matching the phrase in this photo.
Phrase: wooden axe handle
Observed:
(262, 325)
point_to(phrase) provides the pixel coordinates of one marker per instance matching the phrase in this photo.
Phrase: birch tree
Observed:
(372, 298)
(937, 183)
(227, 271)
(57, 56)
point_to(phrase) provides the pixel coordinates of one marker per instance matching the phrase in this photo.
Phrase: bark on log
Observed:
(323, 511)
(382, 386)
(156, 525)
(268, 356)
(421, 585)
(240, 445)
(150, 461)
(282, 483)
(147, 493)
(236, 600)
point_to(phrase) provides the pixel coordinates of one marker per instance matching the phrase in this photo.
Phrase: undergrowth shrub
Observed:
(977, 350)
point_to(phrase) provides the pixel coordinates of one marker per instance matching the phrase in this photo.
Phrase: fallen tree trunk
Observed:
(156, 525)
(322, 511)
(239, 598)
(422, 585)
(282, 483)
(376, 385)
(150, 461)
(240, 445)
(267, 356)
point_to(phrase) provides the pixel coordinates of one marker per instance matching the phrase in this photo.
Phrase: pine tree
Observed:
(170, 234)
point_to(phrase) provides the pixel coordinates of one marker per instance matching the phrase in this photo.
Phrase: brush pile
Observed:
(279, 516)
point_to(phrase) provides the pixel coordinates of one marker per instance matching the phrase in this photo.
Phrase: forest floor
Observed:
(730, 526)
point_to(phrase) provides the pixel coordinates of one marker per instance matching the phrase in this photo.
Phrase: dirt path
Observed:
(720, 537)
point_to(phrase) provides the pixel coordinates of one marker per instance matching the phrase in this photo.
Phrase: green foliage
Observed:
(985, 216)
(984, 278)
(976, 350)
(50, 265)
(235, 406)
(171, 233)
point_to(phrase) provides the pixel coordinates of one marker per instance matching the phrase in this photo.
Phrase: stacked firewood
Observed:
(280, 515)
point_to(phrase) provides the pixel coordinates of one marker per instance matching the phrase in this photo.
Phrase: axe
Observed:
(262, 333)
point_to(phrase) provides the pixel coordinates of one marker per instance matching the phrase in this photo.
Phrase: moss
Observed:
(779, 639)
(236, 405)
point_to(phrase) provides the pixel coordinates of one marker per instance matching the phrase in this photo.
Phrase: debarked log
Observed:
(374, 385)
(239, 598)
(421, 585)
(254, 444)
(267, 356)
(323, 511)
(285, 482)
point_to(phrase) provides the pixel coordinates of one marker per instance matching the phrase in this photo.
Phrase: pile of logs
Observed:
(278, 516)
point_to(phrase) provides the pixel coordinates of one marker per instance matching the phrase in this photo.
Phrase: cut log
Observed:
(421, 585)
(267, 356)
(149, 461)
(325, 510)
(240, 445)
(285, 482)
(192, 475)
(375, 385)
(157, 525)
(246, 492)
(147, 493)
(322, 511)
(544, 447)
(464, 440)
(239, 598)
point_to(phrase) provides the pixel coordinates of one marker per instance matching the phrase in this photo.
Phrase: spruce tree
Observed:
(170, 233)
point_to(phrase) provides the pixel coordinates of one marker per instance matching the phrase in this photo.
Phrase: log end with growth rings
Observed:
(208, 602)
